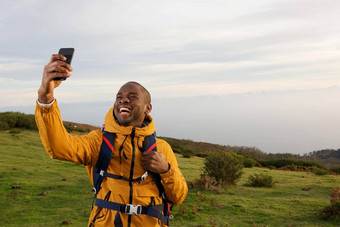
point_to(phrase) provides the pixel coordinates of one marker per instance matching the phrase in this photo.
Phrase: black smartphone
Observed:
(68, 53)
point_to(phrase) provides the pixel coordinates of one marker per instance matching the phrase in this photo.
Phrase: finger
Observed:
(148, 166)
(67, 75)
(53, 72)
(56, 57)
(58, 66)
(149, 153)
(61, 68)
(148, 158)
(58, 75)
(62, 64)
(146, 161)
(145, 156)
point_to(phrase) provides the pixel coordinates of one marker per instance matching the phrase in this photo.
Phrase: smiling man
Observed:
(132, 112)
(141, 176)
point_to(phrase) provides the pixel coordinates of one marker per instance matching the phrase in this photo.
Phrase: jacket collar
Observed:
(112, 126)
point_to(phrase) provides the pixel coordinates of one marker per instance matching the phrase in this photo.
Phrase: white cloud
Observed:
(175, 48)
(18, 68)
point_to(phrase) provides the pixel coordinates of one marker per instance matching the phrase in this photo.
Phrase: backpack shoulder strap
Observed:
(149, 144)
(104, 159)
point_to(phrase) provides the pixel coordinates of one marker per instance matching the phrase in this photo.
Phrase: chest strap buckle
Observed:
(133, 209)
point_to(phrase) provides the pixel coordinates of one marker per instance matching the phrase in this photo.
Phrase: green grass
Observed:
(24, 162)
(294, 200)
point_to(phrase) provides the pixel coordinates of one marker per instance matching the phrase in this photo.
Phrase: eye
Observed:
(133, 97)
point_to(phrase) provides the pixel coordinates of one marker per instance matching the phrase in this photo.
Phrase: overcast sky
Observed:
(260, 73)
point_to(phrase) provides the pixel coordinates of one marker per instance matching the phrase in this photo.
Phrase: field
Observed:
(38, 191)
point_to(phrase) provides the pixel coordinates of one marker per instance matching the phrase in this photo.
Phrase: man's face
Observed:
(131, 107)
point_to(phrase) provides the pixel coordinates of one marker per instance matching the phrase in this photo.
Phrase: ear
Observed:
(148, 108)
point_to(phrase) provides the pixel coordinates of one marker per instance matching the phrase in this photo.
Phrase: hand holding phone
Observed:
(68, 53)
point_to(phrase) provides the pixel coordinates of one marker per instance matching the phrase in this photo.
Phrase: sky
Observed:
(263, 73)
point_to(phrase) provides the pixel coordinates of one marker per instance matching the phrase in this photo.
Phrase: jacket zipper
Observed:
(131, 171)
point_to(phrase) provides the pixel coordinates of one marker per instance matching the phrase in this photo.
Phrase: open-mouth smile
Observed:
(124, 110)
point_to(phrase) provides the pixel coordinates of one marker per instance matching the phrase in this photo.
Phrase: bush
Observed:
(290, 164)
(206, 183)
(202, 155)
(261, 180)
(321, 172)
(333, 210)
(225, 168)
(335, 169)
(9, 120)
(187, 152)
(4, 125)
(74, 128)
(250, 162)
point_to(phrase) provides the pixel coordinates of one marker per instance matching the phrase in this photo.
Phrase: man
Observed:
(130, 122)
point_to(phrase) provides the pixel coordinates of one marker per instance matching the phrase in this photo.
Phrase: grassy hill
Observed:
(329, 158)
(38, 191)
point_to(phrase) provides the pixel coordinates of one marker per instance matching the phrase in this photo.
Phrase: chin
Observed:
(124, 122)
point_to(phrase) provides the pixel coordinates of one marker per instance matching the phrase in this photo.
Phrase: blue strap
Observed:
(114, 176)
(118, 220)
(149, 143)
(103, 160)
(153, 211)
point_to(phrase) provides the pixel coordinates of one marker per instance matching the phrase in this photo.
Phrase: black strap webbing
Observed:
(104, 159)
(153, 211)
(114, 176)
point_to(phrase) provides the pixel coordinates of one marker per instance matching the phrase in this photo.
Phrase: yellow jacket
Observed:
(61, 145)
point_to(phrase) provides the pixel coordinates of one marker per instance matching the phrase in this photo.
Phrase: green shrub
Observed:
(250, 162)
(68, 127)
(9, 120)
(333, 210)
(202, 155)
(224, 167)
(321, 172)
(177, 150)
(73, 128)
(290, 163)
(187, 152)
(4, 125)
(175, 145)
(206, 183)
(335, 169)
(261, 180)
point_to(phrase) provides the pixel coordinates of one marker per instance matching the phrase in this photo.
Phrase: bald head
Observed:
(146, 93)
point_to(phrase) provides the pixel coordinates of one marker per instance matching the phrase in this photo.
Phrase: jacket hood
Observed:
(112, 126)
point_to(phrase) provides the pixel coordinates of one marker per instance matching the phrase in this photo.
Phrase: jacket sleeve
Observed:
(59, 144)
(174, 184)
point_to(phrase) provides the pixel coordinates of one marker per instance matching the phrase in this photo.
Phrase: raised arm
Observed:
(58, 143)
(55, 68)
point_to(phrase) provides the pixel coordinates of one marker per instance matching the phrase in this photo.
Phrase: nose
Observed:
(124, 100)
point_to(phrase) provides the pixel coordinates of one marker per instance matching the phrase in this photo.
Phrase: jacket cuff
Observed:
(44, 104)
(45, 108)
(169, 173)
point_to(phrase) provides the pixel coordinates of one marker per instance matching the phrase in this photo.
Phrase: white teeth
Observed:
(123, 109)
